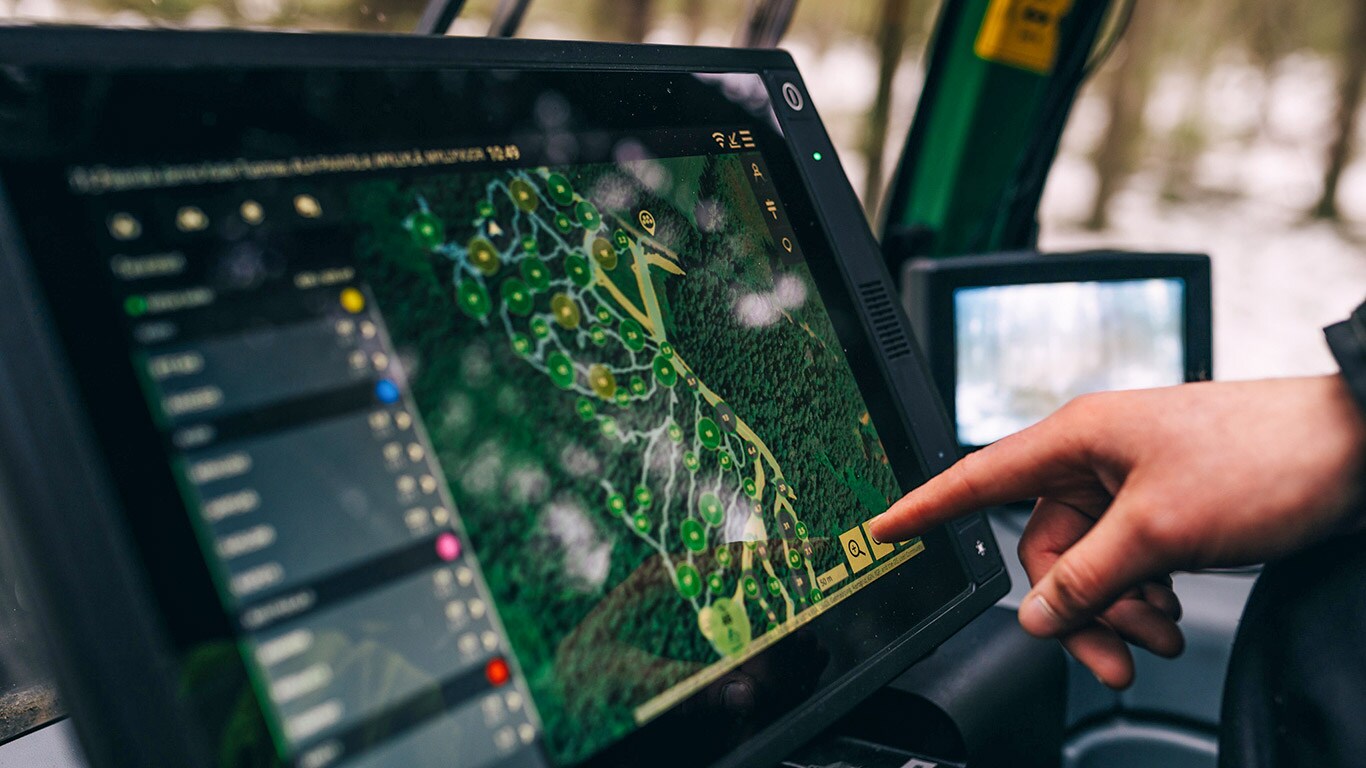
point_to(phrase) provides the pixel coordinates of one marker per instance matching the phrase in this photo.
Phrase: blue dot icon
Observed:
(386, 391)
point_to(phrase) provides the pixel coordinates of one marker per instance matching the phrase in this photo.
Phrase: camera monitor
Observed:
(397, 402)
(1012, 337)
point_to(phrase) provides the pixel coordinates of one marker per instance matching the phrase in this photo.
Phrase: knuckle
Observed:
(1077, 586)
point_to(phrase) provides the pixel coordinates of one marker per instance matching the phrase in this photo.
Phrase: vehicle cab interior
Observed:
(510, 384)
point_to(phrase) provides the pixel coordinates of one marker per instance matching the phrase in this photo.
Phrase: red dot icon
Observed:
(497, 671)
(447, 547)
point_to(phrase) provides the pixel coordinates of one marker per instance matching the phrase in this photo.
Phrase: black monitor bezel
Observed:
(119, 690)
(930, 285)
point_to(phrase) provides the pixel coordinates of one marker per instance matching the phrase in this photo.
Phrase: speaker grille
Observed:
(882, 310)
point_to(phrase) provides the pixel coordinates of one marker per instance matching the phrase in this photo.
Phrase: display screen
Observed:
(506, 448)
(1023, 351)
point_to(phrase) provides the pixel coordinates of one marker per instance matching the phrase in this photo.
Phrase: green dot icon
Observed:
(688, 580)
(709, 433)
(616, 503)
(694, 536)
(709, 506)
(561, 370)
(135, 306)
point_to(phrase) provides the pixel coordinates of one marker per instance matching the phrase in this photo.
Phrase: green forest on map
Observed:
(647, 422)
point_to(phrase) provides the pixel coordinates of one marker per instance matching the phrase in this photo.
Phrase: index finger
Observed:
(1021, 466)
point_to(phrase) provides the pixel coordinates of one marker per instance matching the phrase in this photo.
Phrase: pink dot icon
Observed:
(447, 547)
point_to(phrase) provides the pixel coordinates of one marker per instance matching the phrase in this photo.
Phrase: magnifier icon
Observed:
(855, 550)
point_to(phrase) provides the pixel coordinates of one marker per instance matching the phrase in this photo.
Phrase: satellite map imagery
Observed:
(645, 416)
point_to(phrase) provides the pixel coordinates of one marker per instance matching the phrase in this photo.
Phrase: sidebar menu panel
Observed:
(311, 484)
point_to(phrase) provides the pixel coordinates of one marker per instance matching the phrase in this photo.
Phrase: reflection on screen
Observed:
(1025, 350)
(644, 413)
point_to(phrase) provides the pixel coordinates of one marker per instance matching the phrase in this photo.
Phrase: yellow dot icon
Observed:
(352, 301)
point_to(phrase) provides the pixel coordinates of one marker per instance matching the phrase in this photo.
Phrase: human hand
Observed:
(1134, 485)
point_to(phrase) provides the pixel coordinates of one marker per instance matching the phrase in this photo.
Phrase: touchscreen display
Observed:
(496, 451)
(1023, 351)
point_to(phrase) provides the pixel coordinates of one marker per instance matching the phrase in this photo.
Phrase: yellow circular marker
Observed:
(352, 301)
(602, 381)
(252, 212)
(566, 310)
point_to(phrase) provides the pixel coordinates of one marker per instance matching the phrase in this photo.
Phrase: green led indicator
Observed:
(816, 156)
(135, 306)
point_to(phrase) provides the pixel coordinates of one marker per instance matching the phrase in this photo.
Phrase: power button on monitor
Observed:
(793, 96)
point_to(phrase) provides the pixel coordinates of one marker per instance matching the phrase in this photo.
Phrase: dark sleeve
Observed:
(1347, 340)
(1295, 696)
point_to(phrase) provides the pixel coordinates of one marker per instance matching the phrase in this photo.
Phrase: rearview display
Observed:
(1025, 350)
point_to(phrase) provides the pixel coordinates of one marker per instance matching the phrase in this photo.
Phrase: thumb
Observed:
(1089, 576)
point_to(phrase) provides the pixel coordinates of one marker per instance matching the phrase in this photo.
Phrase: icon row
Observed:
(189, 219)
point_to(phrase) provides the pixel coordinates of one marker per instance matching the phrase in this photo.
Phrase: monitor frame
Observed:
(929, 286)
(108, 646)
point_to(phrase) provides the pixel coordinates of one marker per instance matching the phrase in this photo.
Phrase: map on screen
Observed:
(644, 413)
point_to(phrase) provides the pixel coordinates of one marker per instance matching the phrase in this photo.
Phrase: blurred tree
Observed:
(1351, 77)
(890, 34)
(1126, 92)
(622, 20)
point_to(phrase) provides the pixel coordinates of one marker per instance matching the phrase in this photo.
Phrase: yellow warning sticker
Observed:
(1022, 33)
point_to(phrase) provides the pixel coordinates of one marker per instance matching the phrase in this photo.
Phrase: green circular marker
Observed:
(561, 370)
(588, 215)
(691, 462)
(728, 627)
(709, 433)
(558, 188)
(694, 535)
(536, 273)
(585, 408)
(666, 349)
(711, 509)
(603, 315)
(483, 256)
(751, 450)
(715, 583)
(136, 306)
(725, 460)
(675, 432)
(540, 328)
(565, 310)
(794, 559)
(723, 555)
(563, 223)
(577, 268)
(616, 503)
(427, 230)
(690, 380)
(604, 254)
(521, 344)
(638, 386)
(641, 521)
(643, 496)
(598, 334)
(801, 530)
(632, 335)
(608, 426)
(601, 381)
(750, 585)
(529, 244)
(751, 489)
(775, 587)
(524, 195)
(517, 297)
(622, 240)
(665, 371)
(622, 397)
(473, 298)
(816, 596)
(484, 208)
(688, 580)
